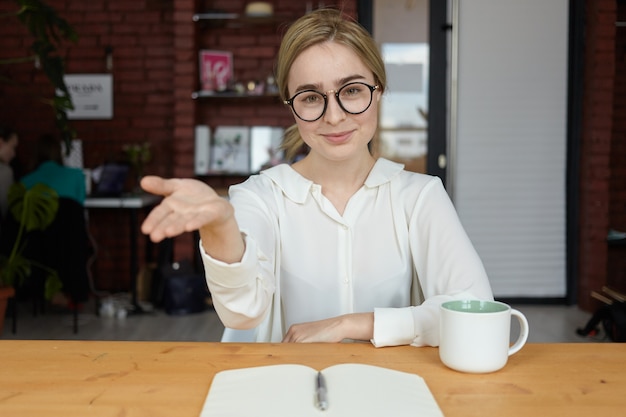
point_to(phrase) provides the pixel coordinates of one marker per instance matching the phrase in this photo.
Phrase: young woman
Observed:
(49, 169)
(339, 245)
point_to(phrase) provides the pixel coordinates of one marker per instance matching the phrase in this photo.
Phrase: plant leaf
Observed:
(14, 271)
(41, 204)
(53, 284)
(15, 198)
(35, 208)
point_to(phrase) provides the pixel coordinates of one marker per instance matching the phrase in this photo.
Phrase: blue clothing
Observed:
(66, 181)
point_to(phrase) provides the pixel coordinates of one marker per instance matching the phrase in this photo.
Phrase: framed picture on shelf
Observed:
(230, 151)
(216, 69)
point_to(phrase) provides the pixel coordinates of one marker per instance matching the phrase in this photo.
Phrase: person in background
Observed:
(63, 245)
(340, 245)
(49, 169)
(8, 143)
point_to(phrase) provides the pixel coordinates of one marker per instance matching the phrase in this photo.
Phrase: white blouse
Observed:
(398, 250)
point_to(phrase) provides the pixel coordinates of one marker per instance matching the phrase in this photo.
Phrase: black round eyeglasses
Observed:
(353, 98)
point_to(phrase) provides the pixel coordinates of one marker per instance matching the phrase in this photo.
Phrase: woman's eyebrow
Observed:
(307, 87)
(349, 78)
(339, 83)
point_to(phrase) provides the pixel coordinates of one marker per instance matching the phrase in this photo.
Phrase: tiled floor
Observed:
(150, 325)
(548, 323)
(555, 323)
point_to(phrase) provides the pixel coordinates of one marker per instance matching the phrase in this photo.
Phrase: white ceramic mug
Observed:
(474, 335)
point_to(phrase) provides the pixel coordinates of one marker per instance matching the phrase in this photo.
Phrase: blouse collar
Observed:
(297, 188)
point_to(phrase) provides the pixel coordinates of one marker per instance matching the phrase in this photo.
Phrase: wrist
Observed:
(223, 242)
(358, 326)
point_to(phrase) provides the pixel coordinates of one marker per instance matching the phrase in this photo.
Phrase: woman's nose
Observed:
(334, 113)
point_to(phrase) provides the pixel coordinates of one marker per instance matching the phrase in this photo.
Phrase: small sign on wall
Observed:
(216, 69)
(92, 96)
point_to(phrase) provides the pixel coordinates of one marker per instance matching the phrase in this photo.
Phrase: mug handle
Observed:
(523, 334)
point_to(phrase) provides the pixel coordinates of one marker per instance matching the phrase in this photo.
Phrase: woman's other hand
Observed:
(358, 326)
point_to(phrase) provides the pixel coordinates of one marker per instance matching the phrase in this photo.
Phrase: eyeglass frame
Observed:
(372, 88)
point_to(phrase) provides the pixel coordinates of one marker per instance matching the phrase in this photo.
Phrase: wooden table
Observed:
(154, 379)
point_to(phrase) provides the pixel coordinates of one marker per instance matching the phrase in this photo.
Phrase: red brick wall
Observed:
(140, 34)
(155, 69)
(602, 149)
(616, 268)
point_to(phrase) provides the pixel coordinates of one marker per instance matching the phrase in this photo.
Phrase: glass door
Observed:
(413, 111)
(400, 28)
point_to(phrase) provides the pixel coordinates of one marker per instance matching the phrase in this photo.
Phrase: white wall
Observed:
(509, 166)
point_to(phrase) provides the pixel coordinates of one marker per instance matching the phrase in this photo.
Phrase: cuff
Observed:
(232, 275)
(393, 327)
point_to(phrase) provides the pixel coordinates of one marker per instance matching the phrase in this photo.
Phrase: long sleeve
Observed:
(242, 292)
(447, 267)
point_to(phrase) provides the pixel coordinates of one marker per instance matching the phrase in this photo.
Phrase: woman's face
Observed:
(337, 135)
(7, 148)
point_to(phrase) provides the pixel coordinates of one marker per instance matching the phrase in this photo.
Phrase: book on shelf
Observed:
(202, 149)
(289, 390)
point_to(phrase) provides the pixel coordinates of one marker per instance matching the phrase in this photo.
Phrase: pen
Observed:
(320, 392)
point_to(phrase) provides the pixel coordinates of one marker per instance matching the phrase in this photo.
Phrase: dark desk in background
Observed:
(133, 204)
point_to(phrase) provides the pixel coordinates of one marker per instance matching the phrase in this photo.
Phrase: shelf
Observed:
(242, 93)
(234, 19)
(214, 16)
(228, 95)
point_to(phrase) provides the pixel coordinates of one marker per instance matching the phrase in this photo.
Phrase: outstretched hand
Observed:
(187, 205)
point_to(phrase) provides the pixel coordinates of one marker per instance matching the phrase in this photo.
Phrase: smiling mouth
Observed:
(338, 137)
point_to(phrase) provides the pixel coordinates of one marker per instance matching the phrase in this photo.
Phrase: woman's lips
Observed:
(338, 137)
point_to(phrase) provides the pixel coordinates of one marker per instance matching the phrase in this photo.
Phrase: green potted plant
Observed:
(48, 31)
(33, 209)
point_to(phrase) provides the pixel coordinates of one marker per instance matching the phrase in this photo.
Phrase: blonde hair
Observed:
(319, 26)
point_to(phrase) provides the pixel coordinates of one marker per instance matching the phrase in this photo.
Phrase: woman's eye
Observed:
(351, 90)
(310, 98)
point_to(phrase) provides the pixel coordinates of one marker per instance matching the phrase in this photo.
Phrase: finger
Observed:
(163, 222)
(150, 183)
(154, 218)
(170, 226)
(292, 335)
(287, 337)
(167, 226)
(158, 185)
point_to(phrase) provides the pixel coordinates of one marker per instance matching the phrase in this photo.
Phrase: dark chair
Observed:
(62, 246)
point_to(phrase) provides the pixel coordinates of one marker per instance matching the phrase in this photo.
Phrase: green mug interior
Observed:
(475, 306)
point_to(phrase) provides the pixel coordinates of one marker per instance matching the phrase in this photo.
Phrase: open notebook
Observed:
(289, 390)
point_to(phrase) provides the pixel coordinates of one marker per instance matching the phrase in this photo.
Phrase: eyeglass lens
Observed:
(354, 98)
